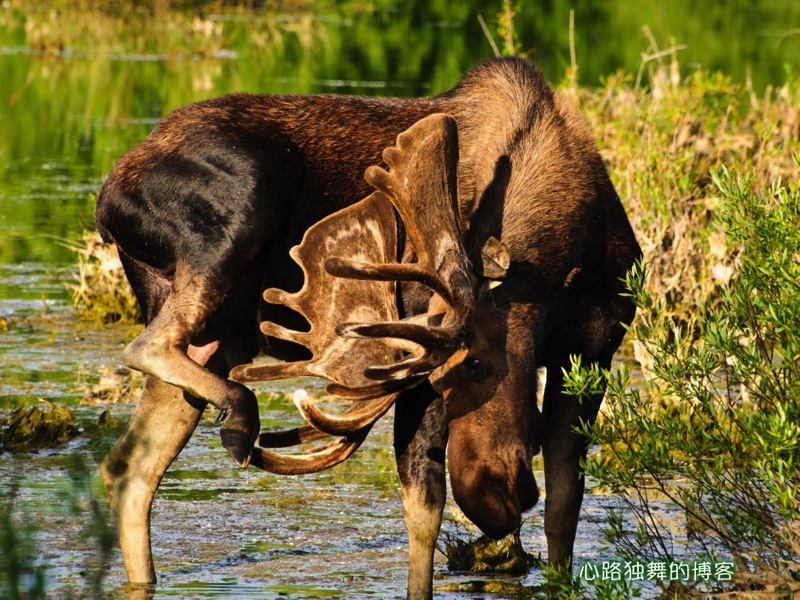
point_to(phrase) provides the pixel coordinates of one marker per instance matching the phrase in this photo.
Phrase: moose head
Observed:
(468, 343)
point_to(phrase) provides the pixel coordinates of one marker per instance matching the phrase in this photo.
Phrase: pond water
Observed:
(77, 89)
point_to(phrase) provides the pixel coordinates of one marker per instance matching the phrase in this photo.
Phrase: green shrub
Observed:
(715, 426)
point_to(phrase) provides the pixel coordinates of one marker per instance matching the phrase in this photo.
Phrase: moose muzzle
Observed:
(492, 485)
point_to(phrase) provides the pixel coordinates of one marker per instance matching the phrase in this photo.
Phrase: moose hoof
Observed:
(239, 432)
(239, 445)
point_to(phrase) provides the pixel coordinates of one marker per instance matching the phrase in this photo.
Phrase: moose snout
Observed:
(494, 494)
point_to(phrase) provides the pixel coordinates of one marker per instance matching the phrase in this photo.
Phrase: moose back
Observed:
(429, 254)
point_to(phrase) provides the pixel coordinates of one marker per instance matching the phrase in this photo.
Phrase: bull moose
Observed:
(429, 254)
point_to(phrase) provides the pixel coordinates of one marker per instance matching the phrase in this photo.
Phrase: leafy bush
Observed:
(715, 426)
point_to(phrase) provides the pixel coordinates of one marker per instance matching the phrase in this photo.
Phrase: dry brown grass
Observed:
(661, 144)
(100, 291)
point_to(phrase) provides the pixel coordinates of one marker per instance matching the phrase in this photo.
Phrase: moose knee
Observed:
(144, 352)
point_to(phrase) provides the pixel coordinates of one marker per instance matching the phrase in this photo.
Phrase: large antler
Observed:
(421, 184)
(356, 339)
(366, 230)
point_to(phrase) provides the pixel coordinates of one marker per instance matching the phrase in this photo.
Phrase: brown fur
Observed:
(206, 208)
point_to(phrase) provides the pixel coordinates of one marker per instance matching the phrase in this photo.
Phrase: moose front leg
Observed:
(562, 449)
(420, 438)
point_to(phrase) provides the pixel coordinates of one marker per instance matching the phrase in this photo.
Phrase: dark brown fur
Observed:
(206, 208)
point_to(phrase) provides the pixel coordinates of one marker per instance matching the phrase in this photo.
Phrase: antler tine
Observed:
(347, 423)
(287, 438)
(422, 185)
(423, 335)
(342, 267)
(323, 457)
(372, 392)
(316, 459)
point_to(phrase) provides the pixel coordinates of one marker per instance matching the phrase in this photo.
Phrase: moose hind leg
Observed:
(420, 440)
(161, 351)
(161, 424)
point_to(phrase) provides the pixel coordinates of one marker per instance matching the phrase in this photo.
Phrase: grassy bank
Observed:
(661, 144)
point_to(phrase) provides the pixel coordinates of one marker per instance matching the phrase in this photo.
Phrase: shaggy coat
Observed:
(205, 210)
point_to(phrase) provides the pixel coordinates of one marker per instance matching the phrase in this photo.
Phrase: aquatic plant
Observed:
(32, 427)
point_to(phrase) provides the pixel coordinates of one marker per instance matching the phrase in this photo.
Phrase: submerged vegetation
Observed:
(467, 550)
(32, 427)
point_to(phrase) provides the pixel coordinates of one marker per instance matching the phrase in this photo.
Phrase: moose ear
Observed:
(495, 261)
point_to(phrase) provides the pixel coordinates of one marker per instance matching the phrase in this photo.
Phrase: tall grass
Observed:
(661, 144)
(100, 291)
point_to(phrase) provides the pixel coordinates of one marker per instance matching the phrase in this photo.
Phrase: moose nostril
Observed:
(527, 490)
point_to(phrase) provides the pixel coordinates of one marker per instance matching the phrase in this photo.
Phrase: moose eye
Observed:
(473, 365)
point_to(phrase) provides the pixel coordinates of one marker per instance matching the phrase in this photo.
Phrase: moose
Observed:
(428, 254)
